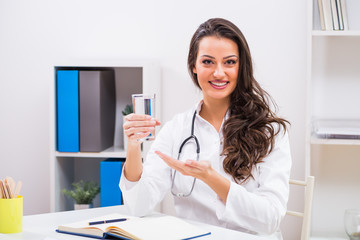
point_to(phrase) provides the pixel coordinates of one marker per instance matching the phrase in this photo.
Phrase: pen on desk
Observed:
(108, 221)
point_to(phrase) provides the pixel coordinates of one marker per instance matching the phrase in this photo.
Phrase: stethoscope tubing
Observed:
(192, 136)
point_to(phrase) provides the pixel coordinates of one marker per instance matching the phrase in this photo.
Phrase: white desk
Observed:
(43, 226)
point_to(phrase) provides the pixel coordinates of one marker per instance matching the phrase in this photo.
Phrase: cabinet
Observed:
(130, 77)
(333, 85)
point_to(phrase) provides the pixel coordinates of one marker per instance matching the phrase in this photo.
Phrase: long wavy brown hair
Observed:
(249, 132)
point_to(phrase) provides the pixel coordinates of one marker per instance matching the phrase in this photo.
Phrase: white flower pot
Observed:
(82, 206)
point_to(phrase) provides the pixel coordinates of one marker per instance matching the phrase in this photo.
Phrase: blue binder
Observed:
(67, 89)
(110, 173)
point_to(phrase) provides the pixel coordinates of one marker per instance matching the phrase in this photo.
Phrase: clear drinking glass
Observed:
(144, 104)
(352, 223)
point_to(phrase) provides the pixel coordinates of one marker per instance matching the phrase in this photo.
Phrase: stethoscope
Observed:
(192, 136)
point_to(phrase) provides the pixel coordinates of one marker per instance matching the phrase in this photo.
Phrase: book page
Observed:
(83, 227)
(160, 228)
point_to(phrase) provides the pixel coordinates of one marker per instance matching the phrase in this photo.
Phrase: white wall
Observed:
(38, 34)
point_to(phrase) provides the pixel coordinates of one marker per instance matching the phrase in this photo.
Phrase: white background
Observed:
(37, 34)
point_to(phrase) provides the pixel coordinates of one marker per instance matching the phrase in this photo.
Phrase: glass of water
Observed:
(144, 104)
(352, 223)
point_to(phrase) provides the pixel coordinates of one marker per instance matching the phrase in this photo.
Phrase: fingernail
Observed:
(189, 162)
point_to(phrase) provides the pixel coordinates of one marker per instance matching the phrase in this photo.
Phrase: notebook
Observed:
(337, 129)
(156, 227)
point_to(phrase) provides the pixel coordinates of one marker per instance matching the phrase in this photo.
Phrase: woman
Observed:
(243, 166)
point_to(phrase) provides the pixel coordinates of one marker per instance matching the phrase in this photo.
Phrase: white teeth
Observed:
(219, 84)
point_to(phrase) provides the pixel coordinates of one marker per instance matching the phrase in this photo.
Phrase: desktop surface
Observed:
(43, 226)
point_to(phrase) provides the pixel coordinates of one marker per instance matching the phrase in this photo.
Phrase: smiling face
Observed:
(217, 67)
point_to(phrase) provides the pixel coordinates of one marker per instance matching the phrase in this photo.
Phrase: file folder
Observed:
(110, 173)
(97, 109)
(67, 91)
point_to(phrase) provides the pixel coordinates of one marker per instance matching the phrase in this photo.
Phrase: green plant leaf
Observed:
(127, 110)
(83, 192)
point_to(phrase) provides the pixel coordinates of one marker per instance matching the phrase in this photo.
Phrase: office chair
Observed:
(306, 214)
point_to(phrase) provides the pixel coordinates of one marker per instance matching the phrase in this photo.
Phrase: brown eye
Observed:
(230, 62)
(206, 61)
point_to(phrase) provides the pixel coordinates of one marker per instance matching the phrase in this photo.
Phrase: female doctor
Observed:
(227, 160)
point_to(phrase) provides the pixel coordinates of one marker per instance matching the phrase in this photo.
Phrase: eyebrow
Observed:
(230, 56)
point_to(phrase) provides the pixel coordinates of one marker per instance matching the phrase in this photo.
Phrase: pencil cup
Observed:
(11, 214)
(145, 104)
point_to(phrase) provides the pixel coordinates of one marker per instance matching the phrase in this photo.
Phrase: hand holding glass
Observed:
(145, 104)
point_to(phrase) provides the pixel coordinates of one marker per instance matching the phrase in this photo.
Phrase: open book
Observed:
(153, 227)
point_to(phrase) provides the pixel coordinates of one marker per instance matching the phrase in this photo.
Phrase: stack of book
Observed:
(333, 15)
(85, 104)
(337, 128)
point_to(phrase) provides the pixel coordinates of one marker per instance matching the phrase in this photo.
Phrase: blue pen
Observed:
(108, 221)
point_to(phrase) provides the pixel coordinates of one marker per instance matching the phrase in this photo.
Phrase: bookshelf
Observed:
(131, 76)
(112, 152)
(332, 93)
(349, 33)
(320, 141)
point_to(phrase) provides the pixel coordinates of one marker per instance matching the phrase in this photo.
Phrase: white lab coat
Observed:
(256, 206)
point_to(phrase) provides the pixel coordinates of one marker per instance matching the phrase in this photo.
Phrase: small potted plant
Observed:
(83, 193)
(127, 110)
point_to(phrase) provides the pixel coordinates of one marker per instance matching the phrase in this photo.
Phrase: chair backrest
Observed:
(306, 214)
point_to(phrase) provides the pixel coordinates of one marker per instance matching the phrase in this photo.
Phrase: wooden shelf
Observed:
(348, 33)
(131, 76)
(324, 141)
(112, 152)
(332, 83)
